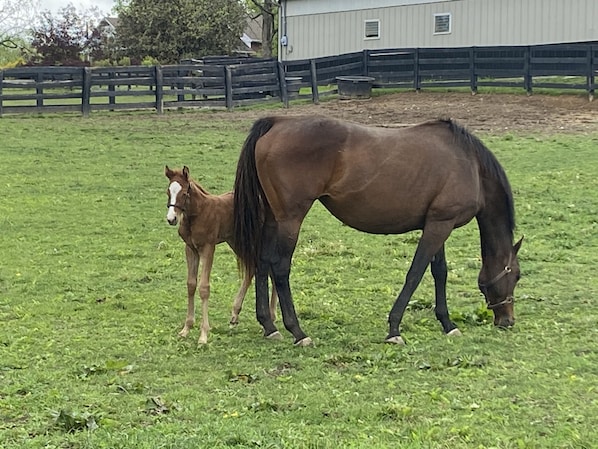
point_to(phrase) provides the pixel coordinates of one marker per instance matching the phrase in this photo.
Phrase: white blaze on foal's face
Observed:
(174, 189)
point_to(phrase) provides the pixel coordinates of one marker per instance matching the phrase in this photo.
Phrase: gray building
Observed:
(316, 28)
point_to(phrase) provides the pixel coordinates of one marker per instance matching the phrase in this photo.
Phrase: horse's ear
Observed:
(167, 171)
(518, 245)
(186, 172)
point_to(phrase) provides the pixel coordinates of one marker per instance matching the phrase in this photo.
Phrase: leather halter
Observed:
(484, 287)
(187, 195)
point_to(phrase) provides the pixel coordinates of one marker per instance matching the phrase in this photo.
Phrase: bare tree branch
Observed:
(16, 18)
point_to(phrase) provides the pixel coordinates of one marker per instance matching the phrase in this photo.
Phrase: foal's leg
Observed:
(439, 272)
(432, 239)
(192, 267)
(273, 301)
(207, 259)
(238, 303)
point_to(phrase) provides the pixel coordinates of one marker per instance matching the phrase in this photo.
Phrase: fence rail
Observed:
(230, 82)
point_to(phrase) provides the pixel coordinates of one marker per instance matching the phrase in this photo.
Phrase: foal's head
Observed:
(497, 282)
(178, 193)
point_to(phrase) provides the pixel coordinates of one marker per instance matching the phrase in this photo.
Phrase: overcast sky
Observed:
(54, 5)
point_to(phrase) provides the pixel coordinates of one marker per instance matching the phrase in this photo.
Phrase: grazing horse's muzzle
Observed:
(504, 316)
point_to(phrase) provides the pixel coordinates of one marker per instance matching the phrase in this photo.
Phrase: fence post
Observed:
(366, 62)
(282, 82)
(527, 70)
(228, 86)
(416, 80)
(39, 92)
(315, 94)
(590, 73)
(473, 79)
(86, 92)
(159, 78)
(180, 86)
(593, 50)
(111, 88)
(1, 83)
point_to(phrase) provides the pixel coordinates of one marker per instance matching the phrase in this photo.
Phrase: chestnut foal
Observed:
(204, 220)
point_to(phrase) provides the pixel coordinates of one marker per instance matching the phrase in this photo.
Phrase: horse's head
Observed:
(497, 281)
(178, 193)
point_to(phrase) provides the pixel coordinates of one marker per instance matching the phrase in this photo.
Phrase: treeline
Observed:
(135, 32)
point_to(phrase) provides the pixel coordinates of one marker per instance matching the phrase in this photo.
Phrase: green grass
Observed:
(92, 295)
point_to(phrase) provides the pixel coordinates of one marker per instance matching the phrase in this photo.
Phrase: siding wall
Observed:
(474, 23)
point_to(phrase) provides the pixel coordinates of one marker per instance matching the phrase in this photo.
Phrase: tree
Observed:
(16, 17)
(268, 9)
(65, 39)
(170, 30)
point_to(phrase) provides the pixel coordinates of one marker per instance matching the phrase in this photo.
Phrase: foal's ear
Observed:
(518, 245)
(186, 172)
(167, 171)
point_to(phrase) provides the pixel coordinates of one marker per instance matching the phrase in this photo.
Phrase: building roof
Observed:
(109, 22)
(253, 31)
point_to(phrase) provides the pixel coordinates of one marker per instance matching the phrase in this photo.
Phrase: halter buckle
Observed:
(507, 300)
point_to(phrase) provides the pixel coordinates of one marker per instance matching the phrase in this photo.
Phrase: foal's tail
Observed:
(249, 201)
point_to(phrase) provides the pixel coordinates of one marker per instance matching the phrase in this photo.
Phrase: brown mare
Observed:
(205, 221)
(434, 177)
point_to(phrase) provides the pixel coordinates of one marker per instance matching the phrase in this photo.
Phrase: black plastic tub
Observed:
(354, 87)
(293, 86)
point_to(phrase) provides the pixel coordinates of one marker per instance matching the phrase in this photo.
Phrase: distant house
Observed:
(107, 26)
(315, 28)
(105, 32)
(251, 40)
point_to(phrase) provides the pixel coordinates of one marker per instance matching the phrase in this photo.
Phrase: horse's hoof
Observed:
(454, 333)
(396, 340)
(305, 342)
(274, 336)
(203, 339)
(184, 333)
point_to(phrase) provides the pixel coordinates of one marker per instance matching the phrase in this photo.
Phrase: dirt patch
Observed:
(544, 114)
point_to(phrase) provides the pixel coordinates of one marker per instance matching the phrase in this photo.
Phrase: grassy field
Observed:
(92, 295)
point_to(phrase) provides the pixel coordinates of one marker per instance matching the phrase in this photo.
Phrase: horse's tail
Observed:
(250, 202)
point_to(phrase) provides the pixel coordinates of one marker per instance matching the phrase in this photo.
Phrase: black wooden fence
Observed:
(229, 82)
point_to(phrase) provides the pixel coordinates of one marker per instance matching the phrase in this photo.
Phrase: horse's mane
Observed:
(198, 186)
(488, 163)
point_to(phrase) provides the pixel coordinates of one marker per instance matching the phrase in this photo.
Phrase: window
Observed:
(442, 23)
(372, 29)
